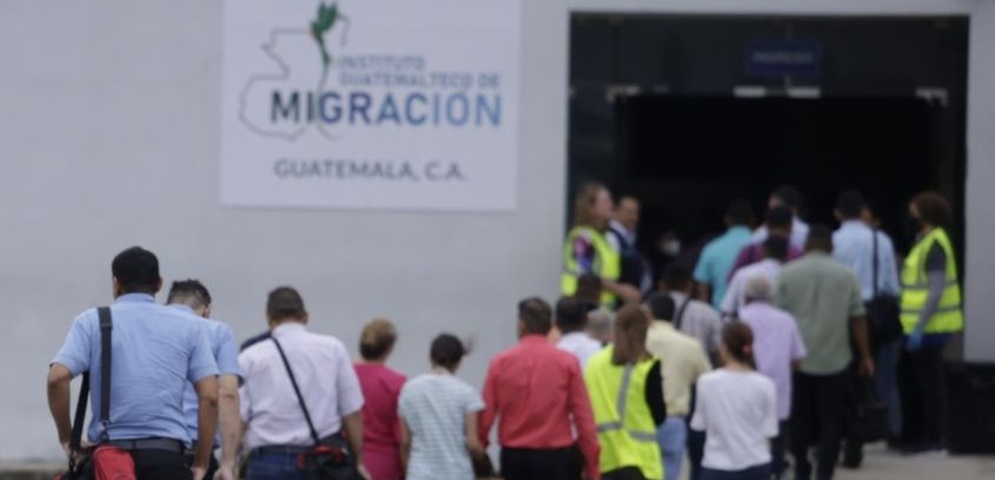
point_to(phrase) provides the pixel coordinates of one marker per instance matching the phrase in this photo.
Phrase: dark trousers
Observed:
(160, 465)
(576, 467)
(778, 451)
(627, 473)
(212, 466)
(922, 389)
(761, 472)
(535, 464)
(819, 404)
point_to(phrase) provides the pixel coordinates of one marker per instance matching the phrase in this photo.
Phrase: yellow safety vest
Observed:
(625, 423)
(607, 263)
(949, 317)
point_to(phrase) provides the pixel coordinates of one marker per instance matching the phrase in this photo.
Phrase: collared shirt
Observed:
(536, 394)
(823, 296)
(580, 345)
(776, 345)
(853, 246)
(323, 370)
(767, 268)
(683, 360)
(155, 352)
(225, 353)
(700, 321)
(799, 233)
(630, 236)
(754, 253)
(717, 260)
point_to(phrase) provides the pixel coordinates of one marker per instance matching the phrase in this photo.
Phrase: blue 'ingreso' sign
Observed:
(778, 58)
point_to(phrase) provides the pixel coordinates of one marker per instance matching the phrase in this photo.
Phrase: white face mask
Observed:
(671, 247)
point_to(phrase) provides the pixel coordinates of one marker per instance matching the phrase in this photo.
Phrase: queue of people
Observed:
(617, 381)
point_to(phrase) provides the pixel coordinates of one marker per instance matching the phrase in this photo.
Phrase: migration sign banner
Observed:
(374, 104)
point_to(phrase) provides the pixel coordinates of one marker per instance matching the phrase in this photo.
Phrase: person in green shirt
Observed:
(825, 299)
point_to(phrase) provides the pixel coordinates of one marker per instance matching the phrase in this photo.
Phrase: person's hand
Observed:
(867, 367)
(198, 473)
(68, 451)
(476, 449)
(225, 472)
(363, 473)
(914, 342)
(629, 293)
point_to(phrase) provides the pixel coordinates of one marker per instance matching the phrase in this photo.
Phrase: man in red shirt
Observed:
(535, 393)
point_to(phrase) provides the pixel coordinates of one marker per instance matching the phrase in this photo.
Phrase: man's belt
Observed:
(166, 444)
(288, 450)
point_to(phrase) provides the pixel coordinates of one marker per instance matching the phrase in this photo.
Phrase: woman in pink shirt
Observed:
(381, 389)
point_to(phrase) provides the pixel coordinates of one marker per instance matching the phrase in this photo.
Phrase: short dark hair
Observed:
(779, 217)
(136, 270)
(447, 351)
(676, 277)
(189, 292)
(850, 204)
(285, 303)
(776, 247)
(536, 315)
(933, 208)
(739, 212)
(571, 314)
(820, 237)
(661, 306)
(789, 196)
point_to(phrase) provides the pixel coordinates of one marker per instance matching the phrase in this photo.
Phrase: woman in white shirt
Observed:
(736, 408)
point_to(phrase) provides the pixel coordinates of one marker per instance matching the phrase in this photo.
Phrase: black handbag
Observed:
(867, 414)
(81, 463)
(330, 458)
(883, 322)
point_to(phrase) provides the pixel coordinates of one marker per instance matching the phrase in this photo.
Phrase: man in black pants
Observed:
(159, 350)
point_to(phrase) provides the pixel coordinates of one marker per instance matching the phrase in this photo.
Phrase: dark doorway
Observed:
(688, 156)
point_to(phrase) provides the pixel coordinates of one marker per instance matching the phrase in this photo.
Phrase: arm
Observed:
(583, 417)
(702, 275)
(654, 394)
(627, 293)
(353, 425)
(699, 421)
(490, 412)
(405, 444)
(936, 277)
(887, 265)
(59, 378)
(230, 420)
(207, 418)
(858, 327)
(472, 437)
(771, 423)
(730, 303)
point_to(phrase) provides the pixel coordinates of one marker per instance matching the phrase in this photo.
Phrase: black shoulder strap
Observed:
(76, 440)
(874, 268)
(297, 391)
(105, 371)
(679, 318)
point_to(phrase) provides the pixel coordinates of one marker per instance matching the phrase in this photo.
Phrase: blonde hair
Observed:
(584, 206)
(631, 324)
(377, 340)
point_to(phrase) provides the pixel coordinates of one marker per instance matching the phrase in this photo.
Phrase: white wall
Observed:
(110, 138)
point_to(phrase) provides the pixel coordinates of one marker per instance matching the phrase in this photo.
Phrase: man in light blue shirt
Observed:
(192, 297)
(155, 352)
(719, 255)
(854, 247)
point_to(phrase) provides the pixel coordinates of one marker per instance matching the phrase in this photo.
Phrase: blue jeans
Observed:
(273, 467)
(672, 437)
(886, 383)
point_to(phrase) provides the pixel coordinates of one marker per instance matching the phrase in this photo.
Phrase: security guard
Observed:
(155, 351)
(588, 251)
(931, 313)
(626, 391)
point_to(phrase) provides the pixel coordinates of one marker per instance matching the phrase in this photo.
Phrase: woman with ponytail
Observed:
(381, 389)
(737, 409)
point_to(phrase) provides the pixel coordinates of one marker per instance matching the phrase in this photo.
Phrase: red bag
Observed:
(112, 463)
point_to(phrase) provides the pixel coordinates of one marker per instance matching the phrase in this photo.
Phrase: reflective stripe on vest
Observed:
(624, 420)
(949, 316)
(607, 262)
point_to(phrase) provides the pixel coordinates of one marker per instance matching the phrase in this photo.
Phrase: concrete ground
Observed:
(879, 465)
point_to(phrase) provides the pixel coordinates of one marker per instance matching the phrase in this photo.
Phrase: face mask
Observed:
(912, 227)
(671, 247)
